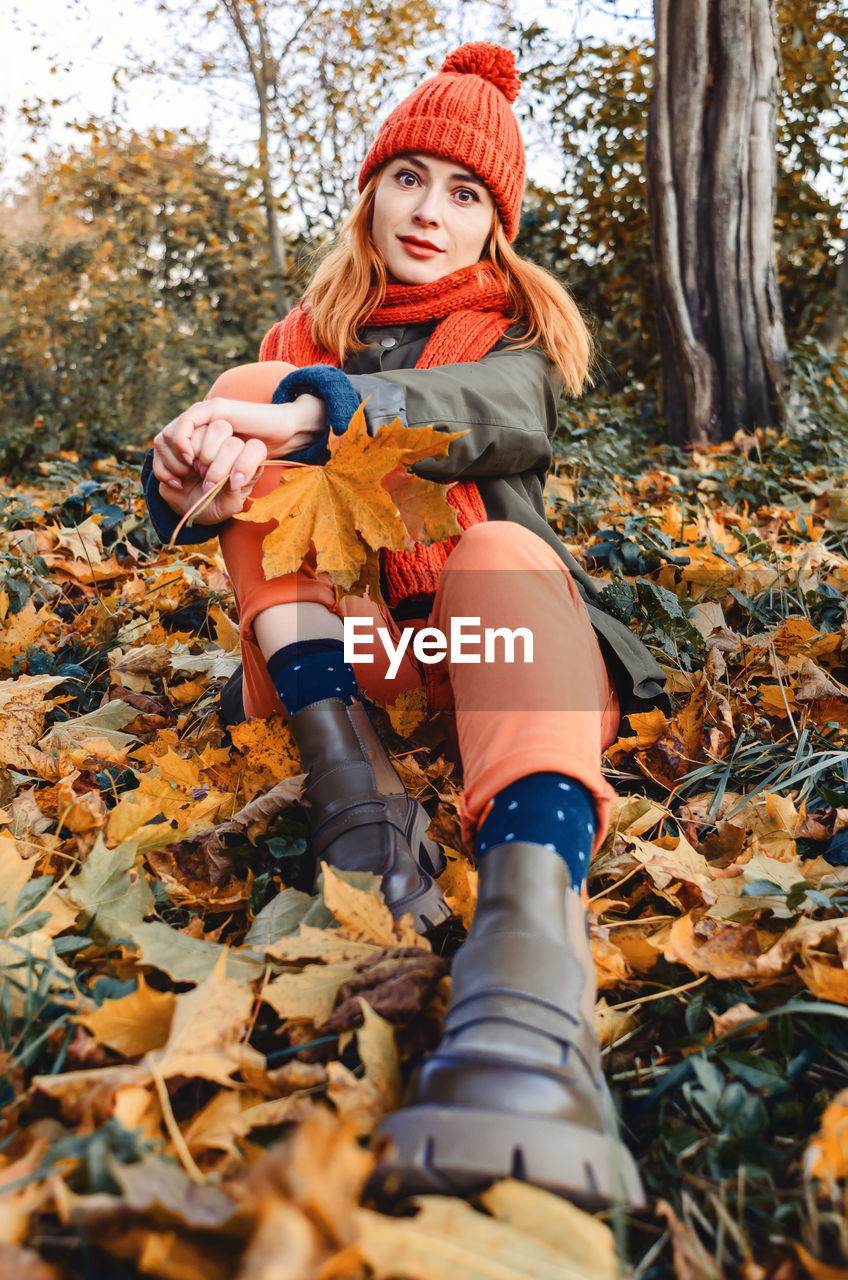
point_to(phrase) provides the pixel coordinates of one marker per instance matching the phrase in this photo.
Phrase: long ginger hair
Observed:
(350, 283)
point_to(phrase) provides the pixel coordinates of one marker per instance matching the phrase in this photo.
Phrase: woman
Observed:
(425, 312)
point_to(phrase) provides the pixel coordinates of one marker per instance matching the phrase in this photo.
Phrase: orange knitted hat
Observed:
(464, 114)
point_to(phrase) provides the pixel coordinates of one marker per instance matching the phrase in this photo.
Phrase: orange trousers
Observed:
(555, 712)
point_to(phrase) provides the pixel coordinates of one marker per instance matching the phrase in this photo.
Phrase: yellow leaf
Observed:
(449, 1238)
(611, 1023)
(408, 712)
(554, 1222)
(14, 873)
(458, 883)
(827, 981)
(375, 1040)
(133, 1024)
(208, 1026)
(826, 1156)
(364, 917)
(819, 1270)
(310, 994)
(343, 508)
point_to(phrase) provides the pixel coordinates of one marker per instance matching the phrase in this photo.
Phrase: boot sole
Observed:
(433, 1150)
(427, 905)
(427, 853)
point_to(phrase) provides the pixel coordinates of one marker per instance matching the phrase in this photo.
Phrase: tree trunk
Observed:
(711, 195)
(263, 71)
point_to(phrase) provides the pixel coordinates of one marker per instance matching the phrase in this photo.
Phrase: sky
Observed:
(71, 49)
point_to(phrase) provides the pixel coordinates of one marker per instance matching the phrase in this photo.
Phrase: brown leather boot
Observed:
(360, 815)
(516, 1088)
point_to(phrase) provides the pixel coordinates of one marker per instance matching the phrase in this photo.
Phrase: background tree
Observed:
(711, 196)
(129, 281)
(313, 79)
(589, 224)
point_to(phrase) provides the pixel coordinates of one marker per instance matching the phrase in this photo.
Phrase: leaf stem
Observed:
(206, 498)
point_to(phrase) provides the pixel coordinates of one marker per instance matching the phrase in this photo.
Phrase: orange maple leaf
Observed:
(361, 501)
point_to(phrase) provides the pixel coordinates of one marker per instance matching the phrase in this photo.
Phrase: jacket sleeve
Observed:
(164, 519)
(506, 403)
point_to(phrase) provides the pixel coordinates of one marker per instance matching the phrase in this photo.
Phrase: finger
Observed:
(180, 432)
(215, 435)
(222, 464)
(168, 460)
(245, 468)
(165, 472)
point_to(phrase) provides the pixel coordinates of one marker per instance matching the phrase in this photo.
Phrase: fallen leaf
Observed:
(133, 1024)
(364, 916)
(449, 1238)
(826, 1156)
(188, 959)
(375, 1042)
(111, 891)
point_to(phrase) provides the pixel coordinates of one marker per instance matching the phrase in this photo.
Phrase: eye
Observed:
(466, 195)
(406, 178)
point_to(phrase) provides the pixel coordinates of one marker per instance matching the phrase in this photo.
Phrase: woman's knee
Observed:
(499, 544)
(256, 382)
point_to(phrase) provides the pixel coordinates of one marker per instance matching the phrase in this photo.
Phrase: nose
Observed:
(428, 211)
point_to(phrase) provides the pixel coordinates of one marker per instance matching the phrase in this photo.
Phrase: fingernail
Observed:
(208, 485)
(175, 484)
(203, 471)
(237, 479)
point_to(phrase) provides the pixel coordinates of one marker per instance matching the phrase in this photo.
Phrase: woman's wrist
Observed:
(308, 415)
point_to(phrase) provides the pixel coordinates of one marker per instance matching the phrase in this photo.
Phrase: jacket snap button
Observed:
(388, 342)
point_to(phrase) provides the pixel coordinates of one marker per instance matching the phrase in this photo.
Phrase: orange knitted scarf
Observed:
(473, 309)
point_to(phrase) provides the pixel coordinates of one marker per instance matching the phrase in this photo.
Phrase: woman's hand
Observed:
(218, 454)
(282, 428)
(220, 437)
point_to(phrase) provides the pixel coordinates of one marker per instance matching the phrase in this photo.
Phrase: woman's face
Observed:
(431, 217)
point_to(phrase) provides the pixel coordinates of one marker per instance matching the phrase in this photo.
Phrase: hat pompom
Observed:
(490, 61)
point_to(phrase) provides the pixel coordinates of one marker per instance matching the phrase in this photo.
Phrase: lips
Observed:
(416, 246)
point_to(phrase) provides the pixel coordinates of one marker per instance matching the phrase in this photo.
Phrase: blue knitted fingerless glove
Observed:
(336, 390)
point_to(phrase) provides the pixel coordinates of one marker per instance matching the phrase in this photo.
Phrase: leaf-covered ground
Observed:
(194, 1048)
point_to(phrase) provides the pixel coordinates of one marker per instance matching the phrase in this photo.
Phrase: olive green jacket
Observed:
(506, 405)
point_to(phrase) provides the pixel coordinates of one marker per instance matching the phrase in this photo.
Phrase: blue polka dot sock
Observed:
(548, 809)
(310, 671)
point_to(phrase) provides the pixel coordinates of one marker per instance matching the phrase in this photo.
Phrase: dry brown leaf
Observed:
(24, 1264)
(23, 710)
(611, 1023)
(827, 981)
(256, 816)
(721, 950)
(738, 1015)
